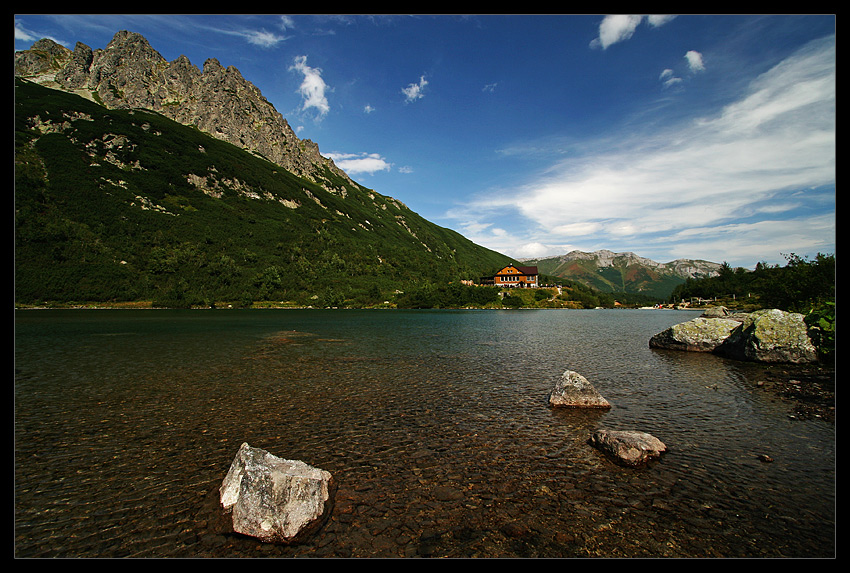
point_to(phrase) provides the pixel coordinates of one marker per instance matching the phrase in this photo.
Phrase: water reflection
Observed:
(435, 425)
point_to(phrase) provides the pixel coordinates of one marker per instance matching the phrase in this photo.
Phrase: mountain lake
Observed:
(435, 425)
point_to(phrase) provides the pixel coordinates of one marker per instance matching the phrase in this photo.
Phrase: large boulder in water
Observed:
(273, 499)
(627, 447)
(697, 335)
(771, 335)
(573, 390)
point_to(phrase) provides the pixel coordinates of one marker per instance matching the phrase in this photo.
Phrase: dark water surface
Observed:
(434, 424)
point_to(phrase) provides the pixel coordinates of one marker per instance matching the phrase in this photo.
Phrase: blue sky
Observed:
(695, 136)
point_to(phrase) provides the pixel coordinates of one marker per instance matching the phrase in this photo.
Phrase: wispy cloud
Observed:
(261, 38)
(414, 92)
(312, 88)
(668, 78)
(360, 163)
(22, 33)
(723, 184)
(621, 27)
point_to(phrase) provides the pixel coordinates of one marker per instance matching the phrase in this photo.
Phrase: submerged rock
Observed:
(573, 390)
(273, 499)
(627, 447)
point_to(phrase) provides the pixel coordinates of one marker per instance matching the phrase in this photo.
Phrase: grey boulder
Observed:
(771, 335)
(627, 447)
(274, 499)
(573, 390)
(697, 335)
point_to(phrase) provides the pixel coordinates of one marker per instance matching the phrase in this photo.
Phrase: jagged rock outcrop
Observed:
(130, 73)
(42, 61)
(273, 499)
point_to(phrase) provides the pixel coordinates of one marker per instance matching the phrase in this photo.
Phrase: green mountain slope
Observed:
(125, 205)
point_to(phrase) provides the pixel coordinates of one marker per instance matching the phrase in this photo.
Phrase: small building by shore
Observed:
(513, 276)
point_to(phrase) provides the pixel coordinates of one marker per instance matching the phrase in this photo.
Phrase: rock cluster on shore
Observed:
(769, 335)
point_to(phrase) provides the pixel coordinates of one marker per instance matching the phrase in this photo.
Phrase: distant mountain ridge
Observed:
(608, 271)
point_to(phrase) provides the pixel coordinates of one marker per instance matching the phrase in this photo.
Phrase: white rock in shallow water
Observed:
(273, 499)
(573, 390)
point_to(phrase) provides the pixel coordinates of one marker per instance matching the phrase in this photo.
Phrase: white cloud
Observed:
(360, 163)
(25, 35)
(617, 28)
(262, 38)
(312, 88)
(695, 64)
(658, 20)
(620, 27)
(694, 61)
(668, 78)
(731, 180)
(413, 92)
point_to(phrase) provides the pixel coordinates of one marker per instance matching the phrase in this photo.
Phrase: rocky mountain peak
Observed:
(623, 272)
(605, 258)
(130, 73)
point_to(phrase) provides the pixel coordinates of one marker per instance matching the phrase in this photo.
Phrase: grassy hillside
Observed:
(115, 205)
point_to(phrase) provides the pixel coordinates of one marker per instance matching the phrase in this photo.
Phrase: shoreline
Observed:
(809, 388)
(147, 305)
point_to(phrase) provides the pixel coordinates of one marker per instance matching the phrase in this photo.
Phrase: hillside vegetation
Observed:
(802, 285)
(127, 205)
(798, 286)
